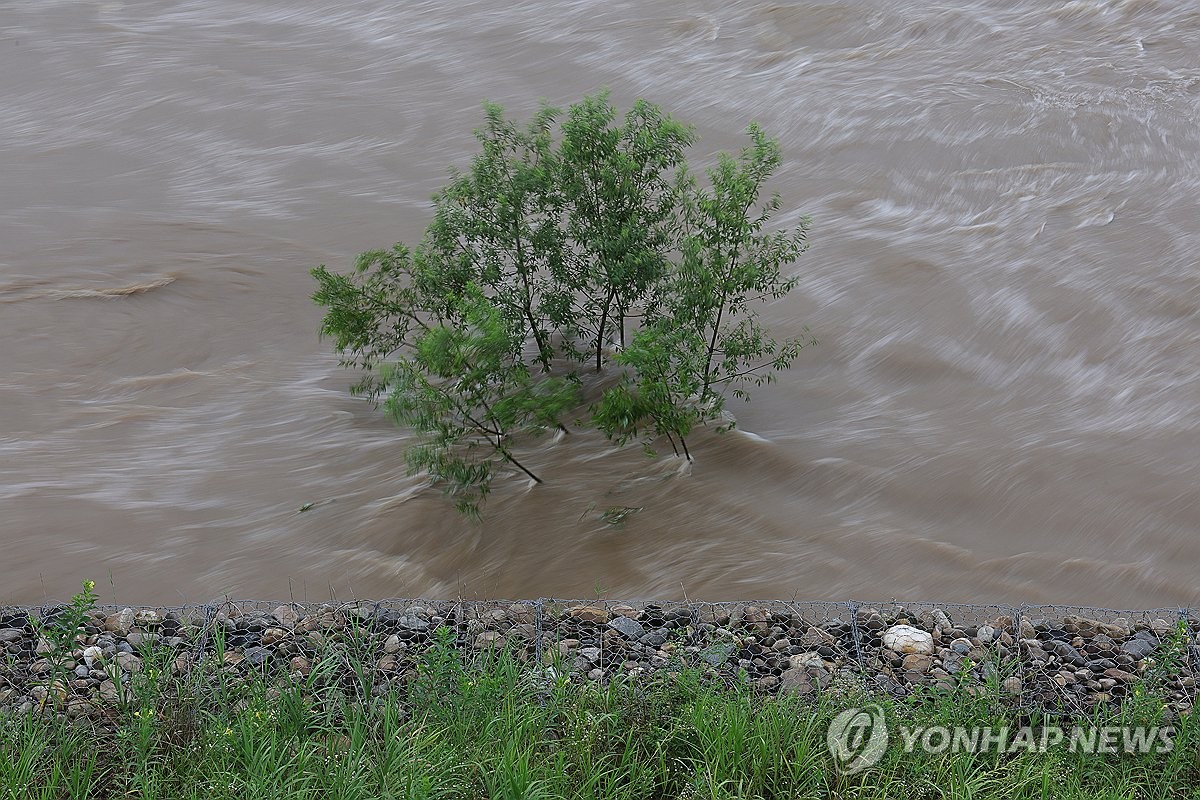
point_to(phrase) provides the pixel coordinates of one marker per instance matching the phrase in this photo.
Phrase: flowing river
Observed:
(1004, 277)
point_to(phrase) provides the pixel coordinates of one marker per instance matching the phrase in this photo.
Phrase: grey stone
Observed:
(413, 623)
(257, 656)
(8, 635)
(590, 654)
(718, 654)
(627, 627)
(1068, 653)
(286, 616)
(653, 639)
(1138, 648)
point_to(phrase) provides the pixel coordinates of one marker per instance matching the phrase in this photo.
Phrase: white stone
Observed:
(907, 639)
(91, 655)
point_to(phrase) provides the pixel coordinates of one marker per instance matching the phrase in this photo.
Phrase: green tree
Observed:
(558, 237)
(621, 198)
(702, 335)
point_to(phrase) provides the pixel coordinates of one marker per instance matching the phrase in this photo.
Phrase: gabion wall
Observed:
(1061, 659)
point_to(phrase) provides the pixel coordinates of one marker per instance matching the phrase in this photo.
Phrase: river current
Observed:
(1004, 277)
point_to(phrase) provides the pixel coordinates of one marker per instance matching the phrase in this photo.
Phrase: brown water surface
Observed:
(1005, 278)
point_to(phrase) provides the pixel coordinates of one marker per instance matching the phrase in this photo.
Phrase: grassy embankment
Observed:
(488, 726)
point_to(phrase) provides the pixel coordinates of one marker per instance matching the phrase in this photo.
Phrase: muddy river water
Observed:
(1004, 277)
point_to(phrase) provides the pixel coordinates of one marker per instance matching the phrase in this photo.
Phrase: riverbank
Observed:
(1075, 662)
(599, 699)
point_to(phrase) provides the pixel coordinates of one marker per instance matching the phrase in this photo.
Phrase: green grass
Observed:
(492, 727)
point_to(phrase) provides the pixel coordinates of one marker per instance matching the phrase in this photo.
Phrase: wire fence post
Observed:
(538, 648)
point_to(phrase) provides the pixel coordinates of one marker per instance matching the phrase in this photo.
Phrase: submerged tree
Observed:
(538, 260)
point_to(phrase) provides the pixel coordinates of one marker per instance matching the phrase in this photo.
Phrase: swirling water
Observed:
(1005, 279)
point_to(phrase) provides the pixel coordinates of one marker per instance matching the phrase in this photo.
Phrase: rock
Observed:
(815, 637)
(9, 635)
(273, 636)
(147, 618)
(490, 640)
(386, 664)
(137, 640)
(767, 682)
(413, 622)
(257, 656)
(129, 663)
(986, 634)
(653, 639)
(392, 644)
(593, 614)
(627, 627)
(802, 660)
(1012, 685)
(1138, 648)
(78, 707)
(1068, 653)
(795, 681)
(917, 662)
(596, 674)
(44, 646)
(1161, 627)
(961, 646)
(300, 664)
(121, 622)
(718, 654)
(590, 654)
(232, 658)
(781, 644)
(1120, 675)
(286, 616)
(53, 693)
(907, 639)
